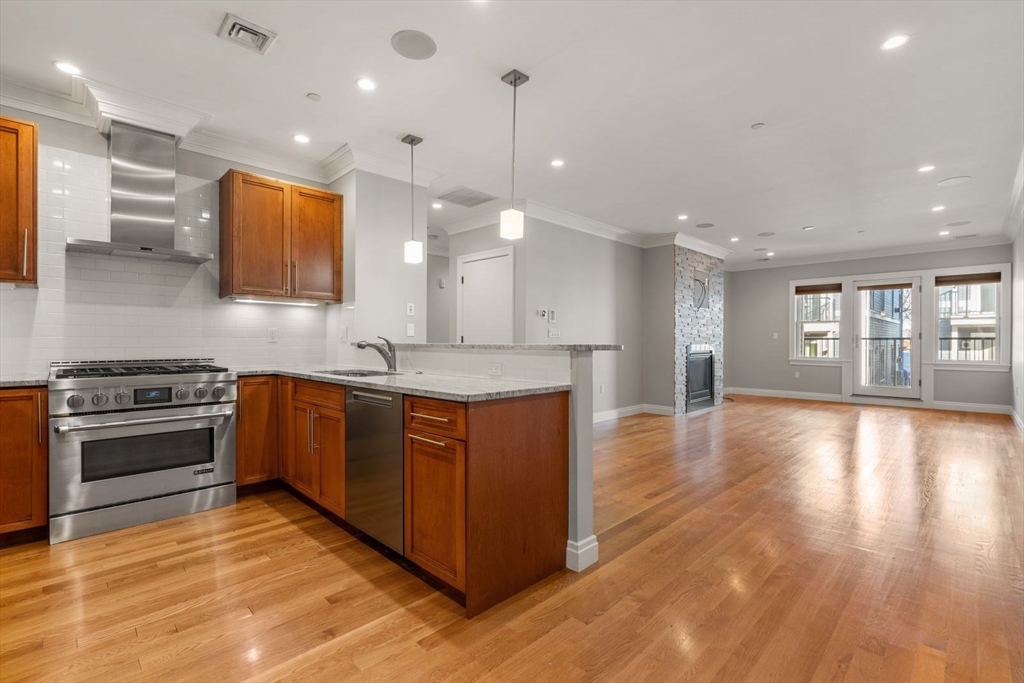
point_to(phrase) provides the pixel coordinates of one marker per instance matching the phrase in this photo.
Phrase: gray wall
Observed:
(758, 307)
(657, 301)
(439, 301)
(594, 285)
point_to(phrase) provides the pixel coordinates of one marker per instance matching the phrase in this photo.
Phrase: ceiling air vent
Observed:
(464, 196)
(966, 237)
(245, 33)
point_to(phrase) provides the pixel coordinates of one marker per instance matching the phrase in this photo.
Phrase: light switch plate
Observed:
(494, 369)
(410, 330)
(343, 336)
(554, 333)
(410, 309)
(551, 315)
(271, 335)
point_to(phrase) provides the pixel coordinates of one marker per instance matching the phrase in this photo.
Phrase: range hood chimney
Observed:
(141, 199)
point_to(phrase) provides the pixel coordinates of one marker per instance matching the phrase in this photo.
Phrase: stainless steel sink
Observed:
(357, 373)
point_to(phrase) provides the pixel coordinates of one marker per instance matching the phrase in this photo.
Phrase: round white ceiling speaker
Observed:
(705, 225)
(766, 234)
(414, 44)
(313, 97)
(957, 224)
(761, 249)
(958, 180)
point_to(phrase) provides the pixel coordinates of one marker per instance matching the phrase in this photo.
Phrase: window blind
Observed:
(967, 279)
(831, 288)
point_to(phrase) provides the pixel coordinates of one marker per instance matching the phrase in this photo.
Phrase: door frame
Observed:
(484, 256)
(916, 347)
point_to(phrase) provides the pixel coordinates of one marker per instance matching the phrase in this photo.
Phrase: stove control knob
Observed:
(218, 393)
(201, 393)
(75, 401)
(99, 399)
(181, 394)
(123, 397)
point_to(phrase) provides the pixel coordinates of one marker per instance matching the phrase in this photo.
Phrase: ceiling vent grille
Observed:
(245, 33)
(464, 196)
(966, 237)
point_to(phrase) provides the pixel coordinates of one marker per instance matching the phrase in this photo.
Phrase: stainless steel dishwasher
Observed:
(374, 466)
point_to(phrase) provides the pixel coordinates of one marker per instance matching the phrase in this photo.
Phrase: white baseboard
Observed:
(582, 554)
(973, 407)
(1016, 420)
(772, 393)
(616, 413)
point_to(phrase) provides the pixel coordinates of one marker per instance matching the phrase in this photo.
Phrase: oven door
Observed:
(102, 460)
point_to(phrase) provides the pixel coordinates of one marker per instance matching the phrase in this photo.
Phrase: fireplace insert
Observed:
(700, 376)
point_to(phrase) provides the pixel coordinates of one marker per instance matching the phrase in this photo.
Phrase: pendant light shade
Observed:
(513, 220)
(413, 248)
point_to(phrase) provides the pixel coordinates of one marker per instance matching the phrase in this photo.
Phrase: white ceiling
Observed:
(649, 103)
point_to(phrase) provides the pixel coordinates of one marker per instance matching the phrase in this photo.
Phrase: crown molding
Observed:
(108, 103)
(488, 215)
(348, 158)
(229, 149)
(582, 224)
(696, 244)
(990, 241)
(436, 251)
(53, 104)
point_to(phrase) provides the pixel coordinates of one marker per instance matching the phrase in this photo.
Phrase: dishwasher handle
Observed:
(372, 399)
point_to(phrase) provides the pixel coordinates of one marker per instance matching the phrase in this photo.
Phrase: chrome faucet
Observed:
(388, 354)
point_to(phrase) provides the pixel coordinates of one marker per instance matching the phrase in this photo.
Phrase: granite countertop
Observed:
(514, 347)
(446, 387)
(13, 382)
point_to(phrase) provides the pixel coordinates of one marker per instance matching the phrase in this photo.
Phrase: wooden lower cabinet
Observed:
(256, 453)
(435, 505)
(329, 446)
(24, 448)
(304, 461)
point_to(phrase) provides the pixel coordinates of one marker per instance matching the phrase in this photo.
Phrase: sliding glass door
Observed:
(887, 338)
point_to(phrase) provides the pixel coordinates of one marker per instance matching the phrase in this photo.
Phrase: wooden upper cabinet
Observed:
(18, 201)
(316, 244)
(257, 431)
(278, 239)
(23, 459)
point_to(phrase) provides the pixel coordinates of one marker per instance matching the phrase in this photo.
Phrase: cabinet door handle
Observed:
(309, 431)
(424, 439)
(39, 410)
(429, 417)
(295, 275)
(288, 277)
(315, 444)
(24, 255)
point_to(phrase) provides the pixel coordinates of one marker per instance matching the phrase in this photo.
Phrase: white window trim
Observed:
(794, 351)
(1003, 318)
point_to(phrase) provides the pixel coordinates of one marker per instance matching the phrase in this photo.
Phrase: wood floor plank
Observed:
(765, 540)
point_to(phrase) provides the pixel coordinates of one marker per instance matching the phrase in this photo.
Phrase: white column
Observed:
(581, 551)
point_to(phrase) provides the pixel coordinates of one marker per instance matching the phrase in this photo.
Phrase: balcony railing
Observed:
(819, 308)
(967, 348)
(820, 347)
(965, 302)
(884, 364)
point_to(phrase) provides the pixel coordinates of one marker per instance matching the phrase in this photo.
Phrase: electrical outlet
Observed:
(271, 335)
(551, 315)
(775, 335)
(797, 374)
(554, 333)
(343, 336)
(410, 330)
(602, 388)
(410, 309)
(494, 369)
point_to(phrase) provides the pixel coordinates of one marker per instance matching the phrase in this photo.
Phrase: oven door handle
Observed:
(64, 429)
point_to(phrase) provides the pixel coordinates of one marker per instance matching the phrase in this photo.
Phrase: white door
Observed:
(887, 338)
(486, 297)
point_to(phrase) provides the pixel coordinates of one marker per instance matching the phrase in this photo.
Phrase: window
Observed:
(967, 310)
(817, 321)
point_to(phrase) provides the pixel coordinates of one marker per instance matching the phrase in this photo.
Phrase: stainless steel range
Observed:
(133, 442)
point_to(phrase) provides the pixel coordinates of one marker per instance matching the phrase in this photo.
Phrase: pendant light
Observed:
(512, 219)
(413, 248)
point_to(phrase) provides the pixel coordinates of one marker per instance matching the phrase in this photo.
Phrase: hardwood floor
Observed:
(768, 540)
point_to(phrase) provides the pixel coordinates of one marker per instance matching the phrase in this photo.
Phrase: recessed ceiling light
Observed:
(895, 42)
(757, 126)
(313, 97)
(944, 232)
(557, 162)
(926, 169)
(366, 84)
(683, 216)
(938, 208)
(735, 239)
(68, 68)
(766, 234)
(808, 227)
(704, 226)
(956, 180)
(436, 205)
(300, 138)
(770, 253)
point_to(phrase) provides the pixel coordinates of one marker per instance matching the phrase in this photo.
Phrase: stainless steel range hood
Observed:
(141, 199)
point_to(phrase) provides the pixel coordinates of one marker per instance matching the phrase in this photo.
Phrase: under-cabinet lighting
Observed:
(277, 303)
